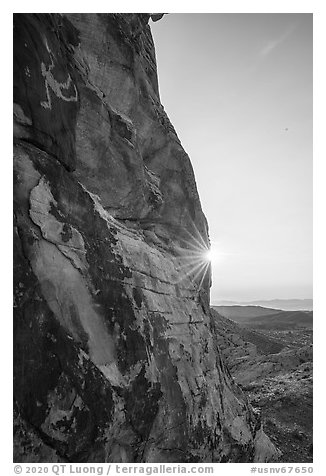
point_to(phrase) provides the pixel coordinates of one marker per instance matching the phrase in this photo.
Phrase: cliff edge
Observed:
(114, 355)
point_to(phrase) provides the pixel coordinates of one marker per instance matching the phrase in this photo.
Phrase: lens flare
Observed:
(196, 258)
(211, 255)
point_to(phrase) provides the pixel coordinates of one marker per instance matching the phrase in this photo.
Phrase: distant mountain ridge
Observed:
(244, 312)
(257, 317)
(278, 304)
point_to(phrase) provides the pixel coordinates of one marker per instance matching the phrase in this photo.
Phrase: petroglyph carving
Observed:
(56, 86)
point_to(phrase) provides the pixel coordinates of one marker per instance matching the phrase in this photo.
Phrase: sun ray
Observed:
(200, 243)
(196, 257)
(195, 270)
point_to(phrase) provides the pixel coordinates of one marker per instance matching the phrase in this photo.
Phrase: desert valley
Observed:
(269, 354)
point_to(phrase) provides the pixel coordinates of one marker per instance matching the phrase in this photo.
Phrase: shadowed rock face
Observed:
(115, 359)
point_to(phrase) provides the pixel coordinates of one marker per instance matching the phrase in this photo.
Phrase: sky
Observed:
(238, 90)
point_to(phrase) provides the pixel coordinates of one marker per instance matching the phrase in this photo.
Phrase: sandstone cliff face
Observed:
(115, 359)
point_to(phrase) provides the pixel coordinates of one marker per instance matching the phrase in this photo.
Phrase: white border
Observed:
(277, 6)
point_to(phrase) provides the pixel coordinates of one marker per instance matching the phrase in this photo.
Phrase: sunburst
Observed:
(196, 256)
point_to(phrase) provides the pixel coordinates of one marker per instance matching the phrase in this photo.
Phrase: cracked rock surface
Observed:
(115, 358)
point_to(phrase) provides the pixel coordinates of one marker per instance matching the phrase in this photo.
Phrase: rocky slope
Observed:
(115, 359)
(277, 378)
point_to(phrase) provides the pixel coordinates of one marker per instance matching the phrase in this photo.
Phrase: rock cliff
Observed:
(114, 354)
